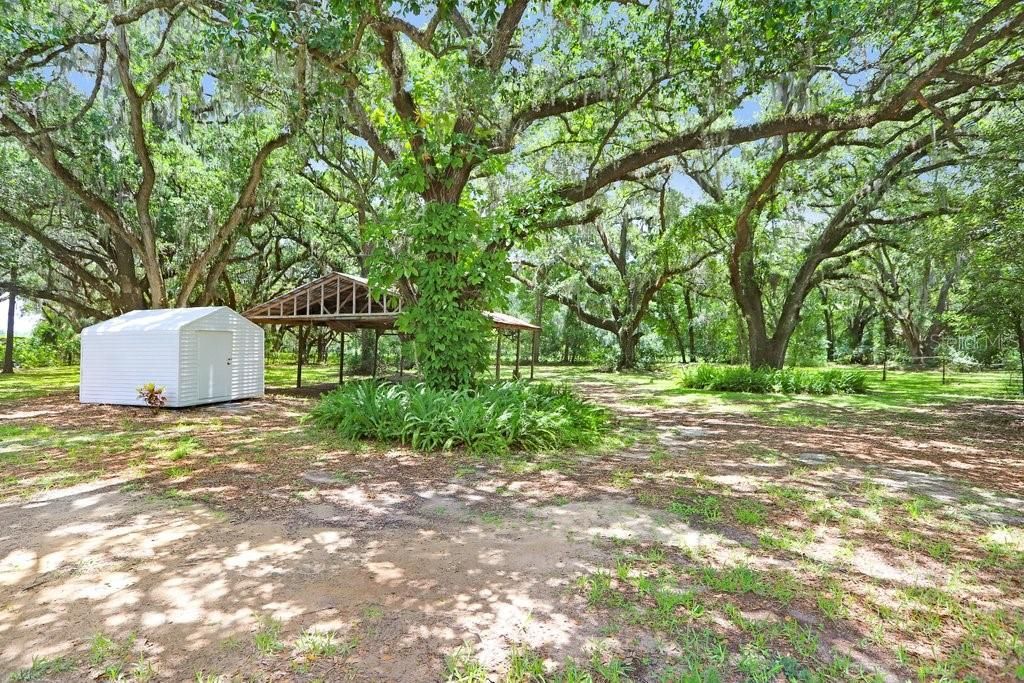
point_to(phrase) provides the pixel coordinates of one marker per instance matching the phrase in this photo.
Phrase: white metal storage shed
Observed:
(199, 355)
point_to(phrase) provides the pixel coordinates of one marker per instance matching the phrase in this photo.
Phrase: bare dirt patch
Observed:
(838, 540)
(97, 560)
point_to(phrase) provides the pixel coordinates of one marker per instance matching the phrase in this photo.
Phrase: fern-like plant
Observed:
(489, 419)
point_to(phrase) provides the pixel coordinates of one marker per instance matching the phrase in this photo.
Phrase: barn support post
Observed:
(536, 337)
(302, 352)
(519, 335)
(341, 358)
(376, 347)
(497, 356)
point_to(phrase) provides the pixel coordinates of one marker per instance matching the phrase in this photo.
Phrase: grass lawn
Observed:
(35, 382)
(715, 536)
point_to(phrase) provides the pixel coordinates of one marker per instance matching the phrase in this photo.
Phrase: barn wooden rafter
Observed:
(338, 300)
(345, 303)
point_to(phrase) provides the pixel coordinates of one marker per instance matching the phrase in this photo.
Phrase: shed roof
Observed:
(153, 320)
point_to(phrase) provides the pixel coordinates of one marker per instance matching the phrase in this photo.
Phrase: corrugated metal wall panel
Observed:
(187, 365)
(247, 369)
(114, 366)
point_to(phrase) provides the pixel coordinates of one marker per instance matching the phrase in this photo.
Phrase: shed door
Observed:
(214, 365)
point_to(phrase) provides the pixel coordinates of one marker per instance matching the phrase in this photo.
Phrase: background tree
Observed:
(992, 227)
(11, 252)
(608, 273)
(153, 156)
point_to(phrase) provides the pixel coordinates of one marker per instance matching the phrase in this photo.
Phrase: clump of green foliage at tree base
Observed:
(488, 419)
(771, 381)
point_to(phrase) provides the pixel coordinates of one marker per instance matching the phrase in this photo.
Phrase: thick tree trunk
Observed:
(628, 341)
(8, 367)
(765, 351)
(768, 352)
(742, 348)
(830, 339)
(857, 354)
(276, 339)
(365, 364)
(132, 296)
(567, 325)
(307, 347)
(888, 332)
(858, 326)
(915, 345)
(321, 347)
(933, 339)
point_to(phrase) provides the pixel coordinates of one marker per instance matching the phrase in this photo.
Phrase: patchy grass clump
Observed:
(42, 668)
(494, 418)
(268, 637)
(769, 381)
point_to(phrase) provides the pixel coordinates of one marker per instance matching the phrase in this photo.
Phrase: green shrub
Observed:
(769, 381)
(53, 343)
(493, 418)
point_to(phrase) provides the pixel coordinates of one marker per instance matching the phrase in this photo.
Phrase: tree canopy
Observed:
(780, 179)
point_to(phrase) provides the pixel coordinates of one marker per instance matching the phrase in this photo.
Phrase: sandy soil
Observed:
(407, 556)
(93, 559)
